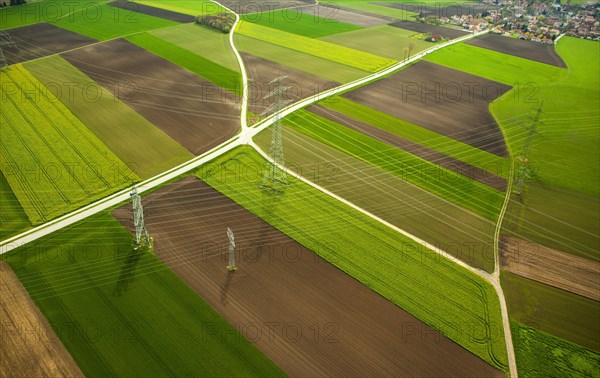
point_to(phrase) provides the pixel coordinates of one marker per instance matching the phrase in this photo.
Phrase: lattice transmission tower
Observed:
(524, 172)
(5, 41)
(142, 238)
(275, 178)
(231, 266)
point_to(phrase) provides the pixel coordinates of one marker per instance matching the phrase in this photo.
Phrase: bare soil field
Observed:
(259, 6)
(334, 12)
(441, 9)
(428, 28)
(309, 317)
(29, 347)
(39, 40)
(549, 266)
(540, 52)
(416, 149)
(441, 99)
(129, 7)
(191, 110)
(262, 71)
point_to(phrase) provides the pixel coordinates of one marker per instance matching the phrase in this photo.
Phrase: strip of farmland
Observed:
(13, 219)
(339, 54)
(394, 195)
(30, 347)
(317, 314)
(420, 281)
(131, 7)
(446, 101)
(52, 162)
(416, 149)
(540, 52)
(39, 40)
(191, 110)
(112, 121)
(124, 313)
(335, 12)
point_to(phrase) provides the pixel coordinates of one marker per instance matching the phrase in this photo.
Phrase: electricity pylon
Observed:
(142, 238)
(231, 267)
(524, 171)
(5, 41)
(275, 178)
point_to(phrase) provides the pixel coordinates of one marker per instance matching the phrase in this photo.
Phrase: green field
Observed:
(339, 54)
(542, 355)
(191, 7)
(443, 182)
(384, 40)
(305, 24)
(202, 41)
(13, 219)
(55, 163)
(217, 74)
(437, 291)
(430, 139)
(375, 9)
(495, 66)
(121, 313)
(295, 59)
(103, 22)
(390, 195)
(558, 312)
(111, 120)
(41, 11)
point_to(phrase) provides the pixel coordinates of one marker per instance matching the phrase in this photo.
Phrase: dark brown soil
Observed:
(29, 346)
(129, 6)
(551, 267)
(260, 74)
(335, 12)
(452, 164)
(420, 27)
(444, 100)
(309, 317)
(39, 40)
(440, 9)
(540, 52)
(191, 110)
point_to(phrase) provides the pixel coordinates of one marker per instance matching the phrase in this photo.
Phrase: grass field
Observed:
(438, 292)
(103, 22)
(447, 184)
(202, 41)
(391, 195)
(125, 314)
(52, 162)
(370, 7)
(41, 11)
(191, 7)
(295, 59)
(448, 146)
(495, 66)
(217, 74)
(384, 40)
(111, 120)
(13, 219)
(558, 312)
(339, 54)
(542, 355)
(308, 25)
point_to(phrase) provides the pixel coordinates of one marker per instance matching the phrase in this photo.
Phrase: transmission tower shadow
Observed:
(228, 279)
(127, 272)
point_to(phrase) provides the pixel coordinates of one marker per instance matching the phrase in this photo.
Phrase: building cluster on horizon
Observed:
(532, 20)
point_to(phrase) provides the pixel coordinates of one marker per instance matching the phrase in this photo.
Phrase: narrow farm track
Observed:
(245, 138)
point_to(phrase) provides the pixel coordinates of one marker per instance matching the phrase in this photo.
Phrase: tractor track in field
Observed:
(245, 137)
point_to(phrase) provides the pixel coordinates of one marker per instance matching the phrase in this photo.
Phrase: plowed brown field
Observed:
(309, 317)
